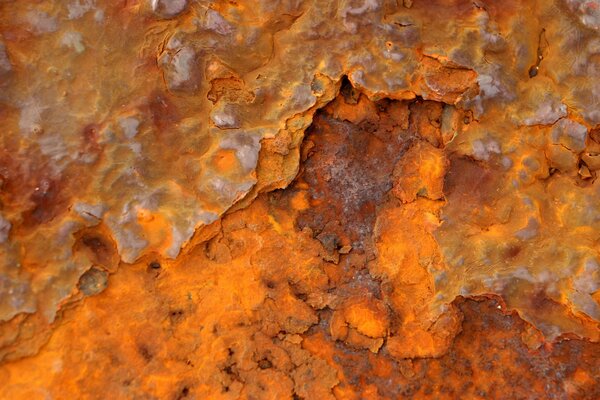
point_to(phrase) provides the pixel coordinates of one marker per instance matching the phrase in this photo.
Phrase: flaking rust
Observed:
(361, 199)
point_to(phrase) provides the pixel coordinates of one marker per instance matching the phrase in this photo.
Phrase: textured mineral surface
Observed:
(299, 199)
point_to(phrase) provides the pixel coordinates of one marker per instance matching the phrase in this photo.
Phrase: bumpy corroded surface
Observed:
(453, 151)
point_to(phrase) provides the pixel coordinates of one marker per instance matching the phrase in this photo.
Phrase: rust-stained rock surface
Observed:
(353, 199)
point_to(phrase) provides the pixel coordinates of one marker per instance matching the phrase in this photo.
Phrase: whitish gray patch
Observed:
(547, 113)
(78, 8)
(89, 212)
(73, 40)
(570, 134)
(216, 23)
(168, 8)
(93, 281)
(178, 67)
(246, 146)
(226, 116)
(16, 298)
(31, 116)
(5, 64)
(41, 22)
(129, 126)
(530, 231)
(483, 149)
(5, 226)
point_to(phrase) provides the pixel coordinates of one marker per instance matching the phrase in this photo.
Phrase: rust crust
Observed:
(259, 199)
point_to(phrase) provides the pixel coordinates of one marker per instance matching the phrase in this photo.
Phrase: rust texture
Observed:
(353, 199)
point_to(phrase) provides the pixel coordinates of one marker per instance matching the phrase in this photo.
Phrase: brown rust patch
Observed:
(488, 359)
(47, 202)
(351, 152)
(163, 111)
(97, 244)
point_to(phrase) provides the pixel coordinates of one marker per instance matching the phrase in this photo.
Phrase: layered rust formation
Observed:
(353, 199)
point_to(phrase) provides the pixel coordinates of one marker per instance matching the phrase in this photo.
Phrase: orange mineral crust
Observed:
(261, 199)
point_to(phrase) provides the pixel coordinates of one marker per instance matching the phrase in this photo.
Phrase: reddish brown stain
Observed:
(90, 137)
(488, 360)
(349, 169)
(47, 203)
(163, 112)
